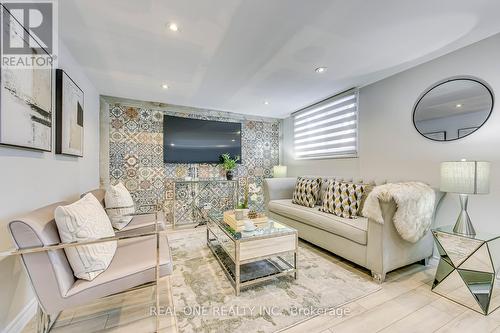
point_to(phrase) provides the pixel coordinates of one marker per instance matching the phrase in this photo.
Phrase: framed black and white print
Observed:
(25, 95)
(466, 131)
(438, 135)
(69, 116)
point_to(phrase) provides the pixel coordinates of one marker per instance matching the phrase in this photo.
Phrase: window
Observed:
(327, 129)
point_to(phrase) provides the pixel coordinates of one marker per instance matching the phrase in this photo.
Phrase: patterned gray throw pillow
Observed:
(306, 191)
(342, 199)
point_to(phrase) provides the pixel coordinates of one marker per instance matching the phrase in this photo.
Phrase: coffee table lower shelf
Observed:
(245, 273)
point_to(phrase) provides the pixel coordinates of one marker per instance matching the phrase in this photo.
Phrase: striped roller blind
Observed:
(327, 129)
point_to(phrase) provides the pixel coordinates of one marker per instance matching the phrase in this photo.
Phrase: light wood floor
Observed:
(404, 304)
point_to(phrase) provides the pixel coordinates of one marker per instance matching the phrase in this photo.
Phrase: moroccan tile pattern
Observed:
(219, 196)
(136, 154)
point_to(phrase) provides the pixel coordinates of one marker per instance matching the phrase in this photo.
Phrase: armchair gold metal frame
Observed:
(43, 321)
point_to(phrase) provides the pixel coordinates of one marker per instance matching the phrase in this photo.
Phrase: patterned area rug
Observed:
(204, 299)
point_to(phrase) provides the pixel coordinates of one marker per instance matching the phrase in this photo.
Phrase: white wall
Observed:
(391, 148)
(30, 179)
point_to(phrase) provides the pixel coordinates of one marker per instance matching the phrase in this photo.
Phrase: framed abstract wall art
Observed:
(25, 97)
(462, 132)
(439, 135)
(69, 116)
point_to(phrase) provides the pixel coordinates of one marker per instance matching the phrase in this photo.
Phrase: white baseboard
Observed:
(22, 318)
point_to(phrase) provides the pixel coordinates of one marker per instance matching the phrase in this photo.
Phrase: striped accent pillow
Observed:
(306, 191)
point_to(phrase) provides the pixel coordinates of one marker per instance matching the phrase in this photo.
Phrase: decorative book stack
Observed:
(238, 225)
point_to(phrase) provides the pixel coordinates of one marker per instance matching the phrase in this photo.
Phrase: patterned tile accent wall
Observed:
(136, 154)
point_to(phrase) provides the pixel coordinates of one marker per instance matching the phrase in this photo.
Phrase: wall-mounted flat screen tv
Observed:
(187, 140)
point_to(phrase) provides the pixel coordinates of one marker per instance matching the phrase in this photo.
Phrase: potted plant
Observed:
(241, 211)
(251, 194)
(229, 164)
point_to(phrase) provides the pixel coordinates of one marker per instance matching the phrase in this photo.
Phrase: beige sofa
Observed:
(377, 247)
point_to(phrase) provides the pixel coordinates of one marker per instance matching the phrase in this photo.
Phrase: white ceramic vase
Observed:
(241, 214)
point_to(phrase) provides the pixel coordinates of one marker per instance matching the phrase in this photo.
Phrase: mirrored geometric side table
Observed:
(468, 270)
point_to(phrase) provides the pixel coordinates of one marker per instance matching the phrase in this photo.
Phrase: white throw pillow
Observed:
(116, 198)
(83, 220)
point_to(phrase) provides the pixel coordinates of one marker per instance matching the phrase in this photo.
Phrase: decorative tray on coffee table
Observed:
(239, 225)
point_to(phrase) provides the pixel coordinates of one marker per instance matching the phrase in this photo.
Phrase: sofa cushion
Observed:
(119, 205)
(369, 183)
(134, 264)
(353, 229)
(83, 220)
(306, 191)
(342, 199)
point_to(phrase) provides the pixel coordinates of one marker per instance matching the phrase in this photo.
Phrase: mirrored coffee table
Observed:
(468, 270)
(248, 258)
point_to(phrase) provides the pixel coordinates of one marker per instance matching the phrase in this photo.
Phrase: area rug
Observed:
(204, 300)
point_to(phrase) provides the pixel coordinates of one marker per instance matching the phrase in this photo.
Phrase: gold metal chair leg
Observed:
(43, 321)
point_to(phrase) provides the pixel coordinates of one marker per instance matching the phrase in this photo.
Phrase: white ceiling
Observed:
(233, 55)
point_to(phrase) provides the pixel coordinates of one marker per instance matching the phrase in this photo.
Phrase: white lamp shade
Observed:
(465, 177)
(279, 171)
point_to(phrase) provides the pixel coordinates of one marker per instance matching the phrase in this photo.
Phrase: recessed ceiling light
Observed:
(459, 105)
(233, 140)
(320, 69)
(172, 144)
(173, 26)
(164, 86)
(266, 102)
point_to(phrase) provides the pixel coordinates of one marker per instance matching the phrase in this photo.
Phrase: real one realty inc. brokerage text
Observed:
(231, 311)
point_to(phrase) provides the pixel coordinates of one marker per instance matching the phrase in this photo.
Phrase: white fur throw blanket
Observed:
(415, 207)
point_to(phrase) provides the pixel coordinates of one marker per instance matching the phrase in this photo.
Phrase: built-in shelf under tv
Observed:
(188, 140)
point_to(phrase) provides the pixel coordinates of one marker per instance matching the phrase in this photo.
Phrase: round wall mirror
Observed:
(453, 109)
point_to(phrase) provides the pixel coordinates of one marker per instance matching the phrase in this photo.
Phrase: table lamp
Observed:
(465, 177)
(279, 171)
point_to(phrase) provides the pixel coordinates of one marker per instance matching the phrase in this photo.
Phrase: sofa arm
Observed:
(278, 188)
(387, 250)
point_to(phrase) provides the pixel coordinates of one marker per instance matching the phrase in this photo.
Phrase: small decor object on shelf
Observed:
(465, 177)
(239, 213)
(69, 116)
(193, 171)
(252, 214)
(229, 164)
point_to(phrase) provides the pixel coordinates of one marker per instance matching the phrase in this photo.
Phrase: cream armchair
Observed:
(140, 259)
